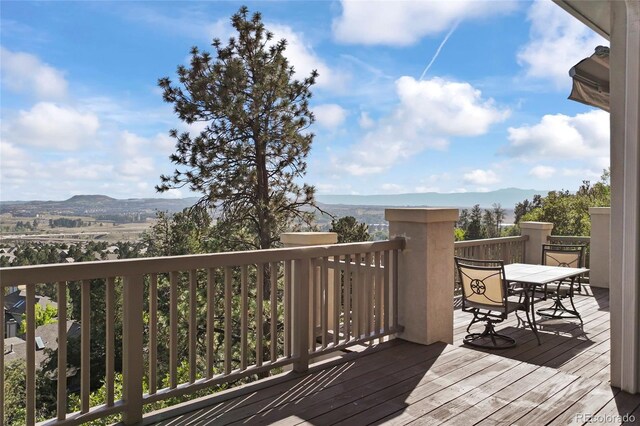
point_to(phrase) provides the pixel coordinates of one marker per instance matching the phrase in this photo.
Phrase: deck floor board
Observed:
(558, 382)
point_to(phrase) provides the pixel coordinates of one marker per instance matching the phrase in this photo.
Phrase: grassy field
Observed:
(95, 230)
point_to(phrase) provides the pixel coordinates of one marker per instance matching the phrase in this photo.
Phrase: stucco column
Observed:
(301, 239)
(425, 272)
(538, 233)
(599, 251)
(625, 195)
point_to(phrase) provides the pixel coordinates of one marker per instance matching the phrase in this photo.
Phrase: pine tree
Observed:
(254, 146)
(474, 230)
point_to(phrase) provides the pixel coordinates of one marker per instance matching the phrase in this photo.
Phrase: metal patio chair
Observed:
(570, 256)
(485, 294)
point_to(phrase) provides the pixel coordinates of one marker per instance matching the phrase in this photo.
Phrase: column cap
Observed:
(308, 238)
(536, 225)
(599, 210)
(421, 215)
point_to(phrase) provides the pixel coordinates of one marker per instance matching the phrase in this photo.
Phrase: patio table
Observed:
(535, 276)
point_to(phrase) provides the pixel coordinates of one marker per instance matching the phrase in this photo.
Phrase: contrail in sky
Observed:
(439, 49)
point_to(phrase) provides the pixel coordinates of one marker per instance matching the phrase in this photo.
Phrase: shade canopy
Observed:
(591, 79)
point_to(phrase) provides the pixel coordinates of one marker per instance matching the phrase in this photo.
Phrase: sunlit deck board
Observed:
(402, 382)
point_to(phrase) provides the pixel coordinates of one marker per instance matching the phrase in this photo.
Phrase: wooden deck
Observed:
(562, 381)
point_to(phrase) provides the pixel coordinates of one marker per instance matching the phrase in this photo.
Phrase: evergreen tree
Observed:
(498, 215)
(254, 146)
(489, 224)
(474, 229)
(349, 230)
(569, 212)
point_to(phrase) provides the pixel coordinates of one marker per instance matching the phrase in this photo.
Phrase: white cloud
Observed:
(365, 121)
(13, 164)
(72, 169)
(48, 125)
(405, 22)
(422, 188)
(559, 136)
(392, 188)
(330, 116)
(542, 172)
(174, 193)
(304, 60)
(481, 177)
(23, 72)
(428, 113)
(557, 42)
(592, 174)
(136, 161)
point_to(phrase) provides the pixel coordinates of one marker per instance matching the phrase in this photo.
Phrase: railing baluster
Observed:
(193, 323)
(274, 310)
(62, 351)
(336, 300)
(2, 330)
(313, 291)
(31, 354)
(369, 294)
(287, 308)
(301, 315)
(378, 293)
(347, 297)
(385, 291)
(324, 300)
(394, 285)
(211, 279)
(173, 329)
(132, 348)
(228, 298)
(356, 298)
(244, 320)
(110, 340)
(259, 296)
(153, 333)
(85, 340)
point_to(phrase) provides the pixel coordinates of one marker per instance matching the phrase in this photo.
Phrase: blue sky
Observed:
(82, 114)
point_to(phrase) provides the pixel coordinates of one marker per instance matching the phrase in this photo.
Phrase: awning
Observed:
(591, 79)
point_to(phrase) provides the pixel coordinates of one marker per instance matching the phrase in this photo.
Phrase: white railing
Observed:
(299, 303)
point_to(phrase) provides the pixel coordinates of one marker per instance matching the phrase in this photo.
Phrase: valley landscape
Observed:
(99, 217)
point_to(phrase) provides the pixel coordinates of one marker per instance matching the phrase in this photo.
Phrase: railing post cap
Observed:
(421, 215)
(536, 225)
(599, 210)
(293, 239)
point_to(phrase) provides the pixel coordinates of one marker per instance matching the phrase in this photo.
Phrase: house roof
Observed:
(49, 335)
(15, 302)
(595, 14)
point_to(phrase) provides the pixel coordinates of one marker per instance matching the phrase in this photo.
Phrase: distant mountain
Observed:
(97, 205)
(89, 199)
(102, 205)
(507, 197)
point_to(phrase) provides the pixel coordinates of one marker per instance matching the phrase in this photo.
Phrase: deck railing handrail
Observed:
(321, 299)
(570, 238)
(484, 241)
(36, 274)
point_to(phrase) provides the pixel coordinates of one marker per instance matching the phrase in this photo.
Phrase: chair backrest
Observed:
(563, 255)
(483, 282)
